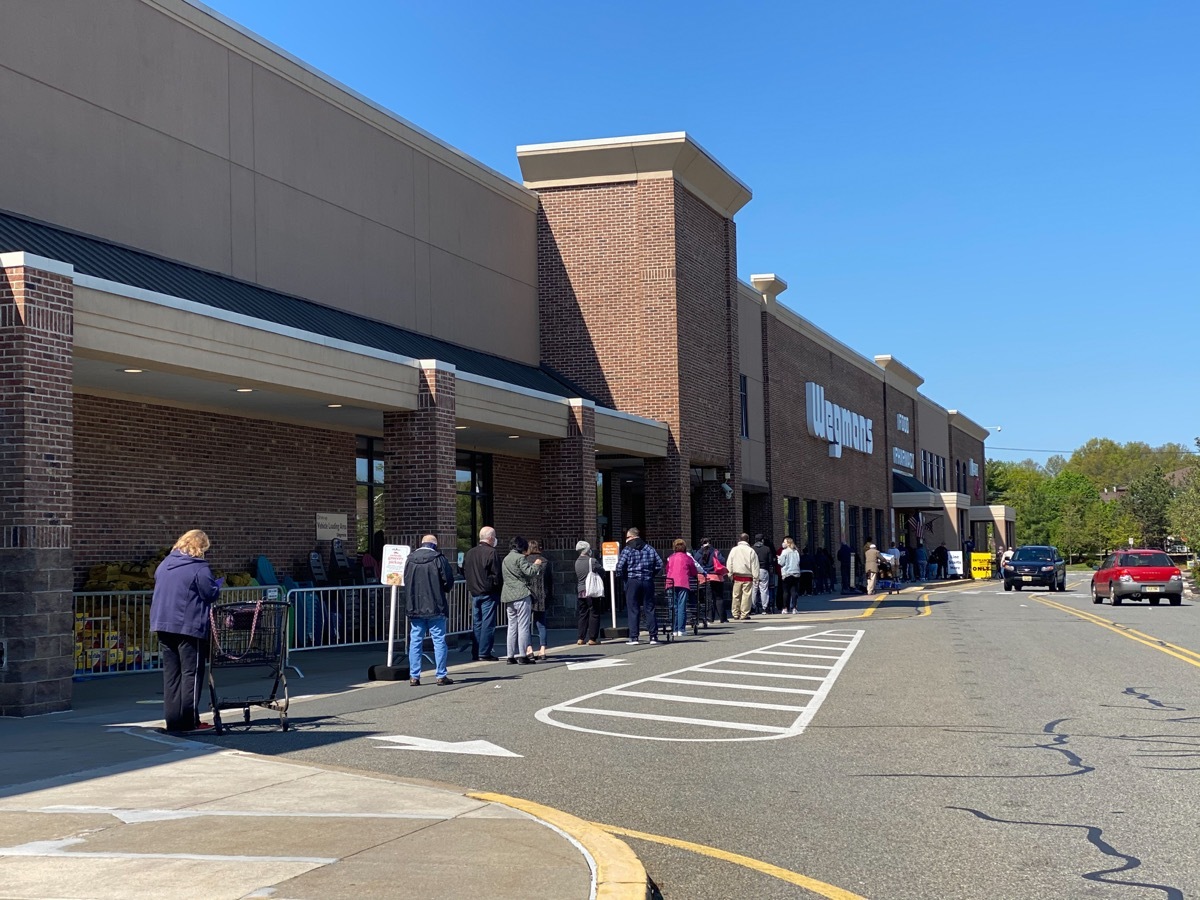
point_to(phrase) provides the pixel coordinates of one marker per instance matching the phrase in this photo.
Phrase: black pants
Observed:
(639, 603)
(791, 589)
(183, 659)
(587, 617)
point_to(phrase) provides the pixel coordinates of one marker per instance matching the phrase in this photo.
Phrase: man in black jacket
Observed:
(481, 569)
(427, 580)
(766, 565)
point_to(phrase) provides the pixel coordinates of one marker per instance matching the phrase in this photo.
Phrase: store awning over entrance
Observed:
(909, 493)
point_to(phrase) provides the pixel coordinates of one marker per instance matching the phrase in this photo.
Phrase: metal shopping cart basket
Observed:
(249, 634)
(664, 611)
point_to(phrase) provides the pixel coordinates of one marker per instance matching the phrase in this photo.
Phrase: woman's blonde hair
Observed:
(789, 543)
(193, 543)
(678, 545)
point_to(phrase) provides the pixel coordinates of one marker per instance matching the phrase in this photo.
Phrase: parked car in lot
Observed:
(1137, 575)
(1035, 566)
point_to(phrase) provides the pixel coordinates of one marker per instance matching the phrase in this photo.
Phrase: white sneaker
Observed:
(653, 641)
(632, 643)
(677, 634)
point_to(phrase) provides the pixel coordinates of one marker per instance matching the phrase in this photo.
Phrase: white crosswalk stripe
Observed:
(803, 668)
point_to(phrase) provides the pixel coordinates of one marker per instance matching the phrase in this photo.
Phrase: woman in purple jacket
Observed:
(184, 590)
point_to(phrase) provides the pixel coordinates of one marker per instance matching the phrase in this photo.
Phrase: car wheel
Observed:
(1016, 587)
(1008, 585)
(1096, 598)
(1175, 599)
(1112, 592)
(1154, 600)
(1062, 585)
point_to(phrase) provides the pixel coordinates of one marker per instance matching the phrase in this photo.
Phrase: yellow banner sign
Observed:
(981, 565)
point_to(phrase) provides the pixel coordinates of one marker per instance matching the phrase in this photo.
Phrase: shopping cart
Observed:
(888, 579)
(249, 634)
(664, 611)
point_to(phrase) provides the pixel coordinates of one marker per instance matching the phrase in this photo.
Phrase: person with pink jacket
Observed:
(682, 578)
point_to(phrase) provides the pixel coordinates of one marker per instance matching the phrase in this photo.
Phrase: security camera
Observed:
(728, 490)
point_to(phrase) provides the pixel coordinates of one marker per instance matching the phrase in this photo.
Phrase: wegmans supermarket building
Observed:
(239, 296)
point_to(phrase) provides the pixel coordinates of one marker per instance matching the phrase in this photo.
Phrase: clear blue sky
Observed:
(1005, 196)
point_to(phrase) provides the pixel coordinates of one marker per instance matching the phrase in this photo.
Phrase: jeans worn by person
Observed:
(435, 627)
(639, 600)
(483, 624)
(683, 597)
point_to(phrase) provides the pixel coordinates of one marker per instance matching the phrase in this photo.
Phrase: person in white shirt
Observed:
(743, 568)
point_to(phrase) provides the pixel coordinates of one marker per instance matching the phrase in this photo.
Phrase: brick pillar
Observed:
(36, 606)
(419, 464)
(668, 497)
(568, 482)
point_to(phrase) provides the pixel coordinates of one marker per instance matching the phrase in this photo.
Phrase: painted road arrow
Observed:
(603, 663)
(476, 748)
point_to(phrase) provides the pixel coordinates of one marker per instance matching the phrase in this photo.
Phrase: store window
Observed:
(791, 518)
(880, 537)
(853, 528)
(745, 406)
(473, 495)
(811, 531)
(827, 525)
(368, 477)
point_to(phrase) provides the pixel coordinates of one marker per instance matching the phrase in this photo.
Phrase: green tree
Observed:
(1069, 496)
(1148, 500)
(1183, 515)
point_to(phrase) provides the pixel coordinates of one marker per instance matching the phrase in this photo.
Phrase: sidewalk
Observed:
(93, 807)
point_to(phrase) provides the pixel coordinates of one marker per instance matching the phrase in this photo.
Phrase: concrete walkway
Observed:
(94, 808)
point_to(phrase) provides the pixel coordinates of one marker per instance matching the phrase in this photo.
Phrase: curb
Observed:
(620, 875)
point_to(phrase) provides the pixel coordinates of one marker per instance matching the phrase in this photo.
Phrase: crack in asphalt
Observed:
(1094, 837)
(1057, 744)
(1157, 704)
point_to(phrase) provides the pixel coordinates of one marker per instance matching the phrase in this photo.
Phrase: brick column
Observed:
(36, 605)
(668, 497)
(419, 464)
(568, 481)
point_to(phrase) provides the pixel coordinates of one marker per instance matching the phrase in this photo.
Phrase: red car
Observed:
(1137, 575)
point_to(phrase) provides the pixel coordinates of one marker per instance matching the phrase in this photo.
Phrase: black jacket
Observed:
(481, 569)
(766, 556)
(427, 579)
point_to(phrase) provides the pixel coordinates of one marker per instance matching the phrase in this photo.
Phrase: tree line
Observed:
(1103, 495)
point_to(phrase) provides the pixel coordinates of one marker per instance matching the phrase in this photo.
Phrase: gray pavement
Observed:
(96, 803)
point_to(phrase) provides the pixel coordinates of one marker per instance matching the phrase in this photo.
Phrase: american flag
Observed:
(918, 524)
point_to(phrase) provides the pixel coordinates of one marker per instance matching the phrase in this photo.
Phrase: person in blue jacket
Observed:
(184, 591)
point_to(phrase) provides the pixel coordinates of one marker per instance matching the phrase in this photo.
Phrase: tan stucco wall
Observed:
(191, 141)
(750, 355)
(933, 434)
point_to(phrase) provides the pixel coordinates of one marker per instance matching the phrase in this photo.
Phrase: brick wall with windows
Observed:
(900, 403)
(144, 474)
(799, 464)
(963, 449)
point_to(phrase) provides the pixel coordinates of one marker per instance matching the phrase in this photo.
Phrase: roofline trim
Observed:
(19, 258)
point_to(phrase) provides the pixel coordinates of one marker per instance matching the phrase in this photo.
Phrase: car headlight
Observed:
(1047, 568)
(1125, 578)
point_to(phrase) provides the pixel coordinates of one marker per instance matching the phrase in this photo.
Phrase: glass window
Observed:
(745, 407)
(791, 517)
(853, 528)
(827, 513)
(473, 490)
(811, 515)
(368, 475)
(879, 535)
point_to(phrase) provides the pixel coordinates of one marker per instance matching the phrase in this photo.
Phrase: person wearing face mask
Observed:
(482, 571)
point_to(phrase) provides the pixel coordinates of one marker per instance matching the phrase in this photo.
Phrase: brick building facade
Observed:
(563, 358)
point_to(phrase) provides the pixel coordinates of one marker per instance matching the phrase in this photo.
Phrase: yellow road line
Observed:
(619, 873)
(819, 888)
(1191, 657)
(870, 610)
(927, 610)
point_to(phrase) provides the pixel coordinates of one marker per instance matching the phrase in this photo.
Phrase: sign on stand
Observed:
(391, 573)
(609, 551)
(954, 562)
(981, 565)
